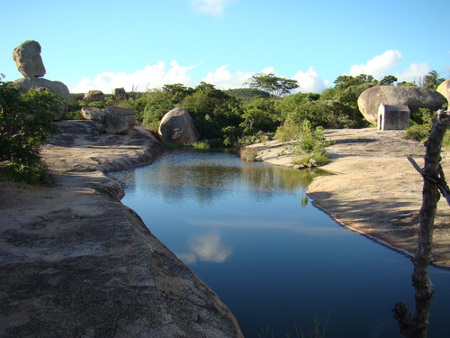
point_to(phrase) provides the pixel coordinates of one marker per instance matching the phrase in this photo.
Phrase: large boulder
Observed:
(119, 120)
(413, 97)
(94, 95)
(178, 127)
(28, 59)
(444, 89)
(57, 87)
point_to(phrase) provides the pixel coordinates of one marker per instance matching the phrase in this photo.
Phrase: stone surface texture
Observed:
(444, 89)
(413, 97)
(374, 191)
(93, 114)
(57, 87)
(119, 120)
(76, 262)
(178, 127)
(28, 59)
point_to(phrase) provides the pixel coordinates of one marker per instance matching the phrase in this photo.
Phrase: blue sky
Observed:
(102, 45)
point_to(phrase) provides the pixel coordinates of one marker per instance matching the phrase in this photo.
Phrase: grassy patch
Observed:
(201, 145)
(32, 175)
(247, 154)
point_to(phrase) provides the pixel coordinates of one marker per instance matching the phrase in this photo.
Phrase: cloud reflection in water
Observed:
(206, 248)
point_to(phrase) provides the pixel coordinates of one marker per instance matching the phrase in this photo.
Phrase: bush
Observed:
(19, 173)
(26, 120)
(418, 132)
(248, 154)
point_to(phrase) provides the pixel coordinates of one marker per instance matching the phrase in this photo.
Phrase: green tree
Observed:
(213, 110)
(260, 115)
(276, 86)
(430, 80)
(388, 80)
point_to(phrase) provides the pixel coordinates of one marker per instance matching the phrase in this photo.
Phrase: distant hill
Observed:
(246, 94)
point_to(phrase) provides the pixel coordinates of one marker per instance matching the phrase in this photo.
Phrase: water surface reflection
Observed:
(247, 230)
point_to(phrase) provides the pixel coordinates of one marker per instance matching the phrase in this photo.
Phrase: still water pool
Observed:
(280, 264)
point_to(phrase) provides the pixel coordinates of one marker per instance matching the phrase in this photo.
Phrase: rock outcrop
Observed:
(444, 90)
(76, 262)
(119, 120)
(112, 120)
(28, 59)
(94, 95)
(413, 97)
(178, 127)
(57, 87)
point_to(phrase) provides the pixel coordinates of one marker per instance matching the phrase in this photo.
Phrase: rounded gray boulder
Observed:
(413, 97)
(178, 127)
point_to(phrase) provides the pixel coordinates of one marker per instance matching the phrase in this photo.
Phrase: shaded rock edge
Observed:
(76, 262)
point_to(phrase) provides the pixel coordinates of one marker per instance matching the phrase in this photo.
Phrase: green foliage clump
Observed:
(26, 120)
(247, 154)
(20, 173)
(201, 145)
(310, 142)
(418, 132)
(247, 94)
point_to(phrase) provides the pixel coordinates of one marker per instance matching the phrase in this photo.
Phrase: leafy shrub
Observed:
(26, 120)
(418, 132)
(247, 154)
(20, 173)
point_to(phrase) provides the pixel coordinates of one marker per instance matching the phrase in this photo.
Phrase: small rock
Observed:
(94, 95)
(93, 114)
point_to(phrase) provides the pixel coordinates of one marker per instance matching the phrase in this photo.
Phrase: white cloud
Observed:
(414, 73)
(310, 81)
(222, 78)
(211, 7)
(379, 66)
(152, 76)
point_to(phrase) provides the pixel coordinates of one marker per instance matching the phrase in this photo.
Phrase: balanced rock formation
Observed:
(28, 59)
(444, 89)
(178, 127)
(413, 97)
(94, 95)
(119, 120)
(57, 87)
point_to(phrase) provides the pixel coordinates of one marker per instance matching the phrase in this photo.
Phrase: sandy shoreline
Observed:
(375, 191)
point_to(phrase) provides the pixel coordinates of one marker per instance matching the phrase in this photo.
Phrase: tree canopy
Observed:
(274, 85)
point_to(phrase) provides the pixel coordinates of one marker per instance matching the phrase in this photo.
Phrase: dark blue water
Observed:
(280, 264)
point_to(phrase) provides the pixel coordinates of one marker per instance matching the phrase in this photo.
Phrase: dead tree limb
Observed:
(416, 324)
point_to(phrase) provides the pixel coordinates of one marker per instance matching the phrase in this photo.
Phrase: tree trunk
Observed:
(416, 324)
